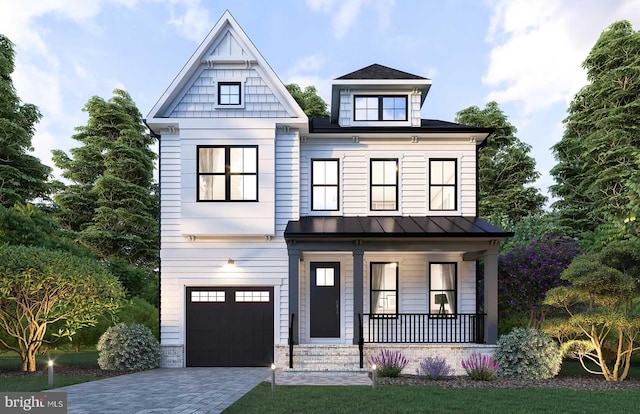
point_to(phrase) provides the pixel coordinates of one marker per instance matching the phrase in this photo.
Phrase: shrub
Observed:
(388, 363)
(528, 353)
(434, 368)
(128, 347)
(480, 367)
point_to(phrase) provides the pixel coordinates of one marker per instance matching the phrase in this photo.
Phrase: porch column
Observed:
(491, 296)
(294, 288)
(358, 275)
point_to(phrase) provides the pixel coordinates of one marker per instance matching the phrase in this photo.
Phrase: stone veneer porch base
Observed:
(346, 358)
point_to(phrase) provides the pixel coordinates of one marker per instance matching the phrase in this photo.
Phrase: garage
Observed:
(229, 326)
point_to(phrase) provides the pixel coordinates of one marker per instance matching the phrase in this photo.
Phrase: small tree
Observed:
(600, 308)
(309, 100)
(40, 287)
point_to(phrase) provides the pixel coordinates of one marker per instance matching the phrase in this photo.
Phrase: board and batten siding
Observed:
(413, 176)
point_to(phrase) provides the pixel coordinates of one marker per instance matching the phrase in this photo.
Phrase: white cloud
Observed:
(345, 13)
(306, 72)
(189, 18)
(539, 46)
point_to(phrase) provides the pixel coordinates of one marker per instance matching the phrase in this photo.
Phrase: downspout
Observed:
(153, 134)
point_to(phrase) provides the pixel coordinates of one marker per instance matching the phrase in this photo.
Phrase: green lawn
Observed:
(425, 399)
(38, 381)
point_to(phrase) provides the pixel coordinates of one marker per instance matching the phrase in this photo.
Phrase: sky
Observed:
(524, 54)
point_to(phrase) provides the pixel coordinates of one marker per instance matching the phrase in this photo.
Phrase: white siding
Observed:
(413, 163)
(287, 181)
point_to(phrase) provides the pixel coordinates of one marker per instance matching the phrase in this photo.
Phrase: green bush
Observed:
(128, 347)
(528, 353)
(138, 310)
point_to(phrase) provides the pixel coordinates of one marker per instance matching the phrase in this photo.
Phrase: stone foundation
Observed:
(171, 356)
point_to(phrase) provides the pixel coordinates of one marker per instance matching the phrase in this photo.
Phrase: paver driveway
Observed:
(182, 390)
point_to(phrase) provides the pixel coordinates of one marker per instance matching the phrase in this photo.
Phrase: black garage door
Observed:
(229, 327)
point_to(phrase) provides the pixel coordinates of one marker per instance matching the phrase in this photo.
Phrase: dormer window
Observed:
(380, 108)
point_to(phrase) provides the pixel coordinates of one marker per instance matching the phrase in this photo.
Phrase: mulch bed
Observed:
(577, 382)
(64, 370)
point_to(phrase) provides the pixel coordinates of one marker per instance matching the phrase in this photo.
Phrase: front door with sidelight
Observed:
(325, 300)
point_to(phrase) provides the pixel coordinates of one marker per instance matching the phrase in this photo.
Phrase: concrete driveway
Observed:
(182, 390)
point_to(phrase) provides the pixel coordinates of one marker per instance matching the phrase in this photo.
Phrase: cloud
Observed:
(306, 72)
(189, 18)
(538, 48)
(345, 13)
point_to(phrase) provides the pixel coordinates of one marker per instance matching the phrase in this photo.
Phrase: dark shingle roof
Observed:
(390, 227)
(376, 71)
(324, 125)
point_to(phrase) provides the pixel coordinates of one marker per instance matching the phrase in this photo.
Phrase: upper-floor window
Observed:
(442, 288)
(384, 288)
(442, 184)
(380, 108)
(228, 173)
(384, 184)
(324, 184)
(229, 93)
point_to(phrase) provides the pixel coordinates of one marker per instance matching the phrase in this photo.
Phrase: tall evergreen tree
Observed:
(111, 201)
(22, 176)
(506, 170)
(598, 158)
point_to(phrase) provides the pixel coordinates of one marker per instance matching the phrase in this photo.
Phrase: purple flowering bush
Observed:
(480, 367)
(388, 363)
(434, 368)
(527, 272)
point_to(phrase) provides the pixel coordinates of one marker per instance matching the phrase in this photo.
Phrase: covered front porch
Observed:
(390, 281)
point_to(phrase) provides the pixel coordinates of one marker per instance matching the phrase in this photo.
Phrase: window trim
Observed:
(337, 185)
(371, 184)
(227, 173)
(233, 81)
(372, 308)
(454, 290)
(381, 107)
(454, 185)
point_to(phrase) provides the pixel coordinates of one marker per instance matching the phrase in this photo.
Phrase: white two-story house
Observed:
(314, 243)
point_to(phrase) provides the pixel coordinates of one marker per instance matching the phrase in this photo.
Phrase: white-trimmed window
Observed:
(325, 185)
(384, 184)
(380, 108)
(208, 296)
(229, 93)
(252, 296)
(228, 173)
(442, 184)
(384, 288)
(443, 282)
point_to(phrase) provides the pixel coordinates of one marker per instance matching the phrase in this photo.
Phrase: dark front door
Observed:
(229, 326)
(325, 300)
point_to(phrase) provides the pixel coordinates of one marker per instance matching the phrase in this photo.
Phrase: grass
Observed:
(425, 399)
(38, 381)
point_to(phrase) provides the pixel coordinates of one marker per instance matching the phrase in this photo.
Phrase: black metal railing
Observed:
(424, 328)
(293, 318)
(360, 340)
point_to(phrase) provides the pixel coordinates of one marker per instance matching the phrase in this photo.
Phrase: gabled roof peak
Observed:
(377, 71)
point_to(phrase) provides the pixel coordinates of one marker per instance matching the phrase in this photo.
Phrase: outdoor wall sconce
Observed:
(231, 262)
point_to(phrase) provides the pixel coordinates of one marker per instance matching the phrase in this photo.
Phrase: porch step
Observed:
(323, 359)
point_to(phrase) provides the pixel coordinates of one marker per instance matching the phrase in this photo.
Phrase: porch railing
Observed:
(424, 328)
(291, 342)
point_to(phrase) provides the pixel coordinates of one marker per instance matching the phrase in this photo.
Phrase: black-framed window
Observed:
(384, 288)
(384, 184)
(442, 184)
(229, 93)
(443, 291)
(380, 108)
(325, 187)
(228, 173)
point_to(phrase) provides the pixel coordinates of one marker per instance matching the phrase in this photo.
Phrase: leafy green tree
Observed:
(22, 176)
(598, 157)
(506, 170)
(312, 104)
(112, 201)
(40, 287)
(601, 316)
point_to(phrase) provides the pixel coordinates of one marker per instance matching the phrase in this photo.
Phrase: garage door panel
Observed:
(229, 326)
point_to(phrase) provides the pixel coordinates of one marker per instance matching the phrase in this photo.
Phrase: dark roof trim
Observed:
(377, 71)
(325, 126)
(319, 227)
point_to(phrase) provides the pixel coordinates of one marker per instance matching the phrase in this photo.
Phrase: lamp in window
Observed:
(441, 299)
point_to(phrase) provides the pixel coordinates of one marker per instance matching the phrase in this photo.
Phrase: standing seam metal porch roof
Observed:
(390, 227)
